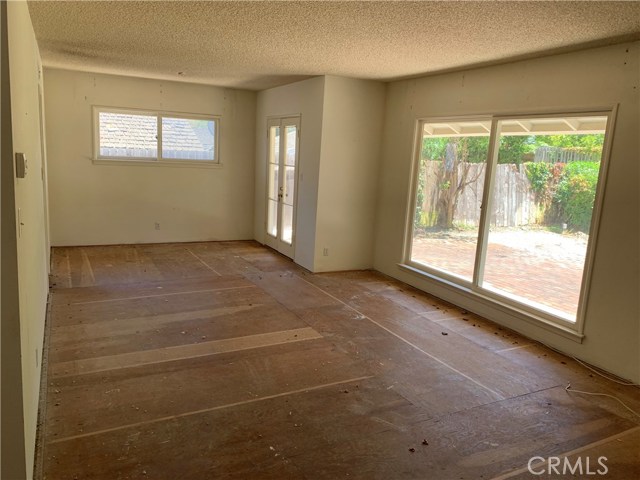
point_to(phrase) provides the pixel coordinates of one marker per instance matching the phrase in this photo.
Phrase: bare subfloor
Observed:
(226, 360)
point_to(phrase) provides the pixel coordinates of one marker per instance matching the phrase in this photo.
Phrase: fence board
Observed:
(513, 199)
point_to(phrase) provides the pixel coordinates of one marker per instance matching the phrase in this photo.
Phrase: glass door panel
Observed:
(273, 181)
(289, 181)
(544, 186)
(291, 133)
(289, 185)
(449, 195)
(287, 224)
(272, 216)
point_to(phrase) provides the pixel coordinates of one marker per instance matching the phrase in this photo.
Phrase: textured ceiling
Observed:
(258, 45)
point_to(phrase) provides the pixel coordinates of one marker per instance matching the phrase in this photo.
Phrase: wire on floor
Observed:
(589, 367)
(628, 384)
(569, 389)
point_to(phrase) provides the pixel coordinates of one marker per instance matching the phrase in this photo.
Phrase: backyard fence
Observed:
(564, 155)
(513, 199)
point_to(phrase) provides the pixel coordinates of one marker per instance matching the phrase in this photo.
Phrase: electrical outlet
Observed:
(325, 252)
(157, 226)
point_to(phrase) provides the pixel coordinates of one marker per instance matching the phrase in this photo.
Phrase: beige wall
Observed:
(110, 204)
(595, 78)
(340, 137)
(303, 98)
(30, 248)
(12, 461)
(351, 139)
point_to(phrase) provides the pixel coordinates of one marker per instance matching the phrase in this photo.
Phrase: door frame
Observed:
(277, 243)
(44, 173)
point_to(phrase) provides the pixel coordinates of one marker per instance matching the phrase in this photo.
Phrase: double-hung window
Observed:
(506, 207)
(143, 136)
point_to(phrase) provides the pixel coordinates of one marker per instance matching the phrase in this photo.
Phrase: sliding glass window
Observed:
(505, 207)
(155, 137)
(451, 172)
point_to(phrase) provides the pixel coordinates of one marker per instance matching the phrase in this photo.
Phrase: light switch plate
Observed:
(21, 165)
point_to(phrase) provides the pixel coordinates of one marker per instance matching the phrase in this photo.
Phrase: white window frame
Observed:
(572, 330)
(158, 160)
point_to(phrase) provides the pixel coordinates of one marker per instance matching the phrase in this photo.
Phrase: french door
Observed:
(282, 174)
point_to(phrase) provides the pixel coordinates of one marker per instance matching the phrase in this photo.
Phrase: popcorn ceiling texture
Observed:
(257, 45)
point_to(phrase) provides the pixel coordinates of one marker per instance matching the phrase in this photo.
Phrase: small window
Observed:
(155, 137)
(188, 139)
(125, 135)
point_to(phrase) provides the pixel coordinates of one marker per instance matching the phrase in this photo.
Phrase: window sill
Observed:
(157, 163)
(487, 301)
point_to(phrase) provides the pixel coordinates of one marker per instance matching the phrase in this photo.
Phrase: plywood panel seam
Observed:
(203, 262)
(212, 409)
(515, 348)
(499, 396)
(87, 262)
(182, 352)
(161, 295)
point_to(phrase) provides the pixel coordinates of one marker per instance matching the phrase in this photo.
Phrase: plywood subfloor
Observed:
(226, 360)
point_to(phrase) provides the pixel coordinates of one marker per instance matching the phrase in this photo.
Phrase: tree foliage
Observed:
(515, 149)
(589, 142)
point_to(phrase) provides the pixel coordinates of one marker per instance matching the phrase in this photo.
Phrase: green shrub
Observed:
(539, 174)
(576, 193)
(544, 178)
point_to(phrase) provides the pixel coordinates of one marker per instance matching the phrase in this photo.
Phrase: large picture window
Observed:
(505, 207)
(154, 136)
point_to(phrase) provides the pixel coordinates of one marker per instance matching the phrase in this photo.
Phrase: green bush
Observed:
(544, 179)
(576, 193)
(539, 174)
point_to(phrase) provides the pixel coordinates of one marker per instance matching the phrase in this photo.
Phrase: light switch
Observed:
(21, 165)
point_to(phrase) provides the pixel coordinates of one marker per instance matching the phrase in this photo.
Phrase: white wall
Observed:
(110, 204)
(340, 138)
(30, 251)
(594, 78)
(351, 138)
(303, 98)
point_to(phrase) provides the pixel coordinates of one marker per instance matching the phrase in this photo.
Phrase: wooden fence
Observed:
(565, 155)
(513, 199)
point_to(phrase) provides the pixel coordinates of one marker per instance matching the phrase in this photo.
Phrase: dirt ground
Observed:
(541, 266)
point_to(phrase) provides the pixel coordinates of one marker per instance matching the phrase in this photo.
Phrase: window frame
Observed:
(158, 159)
(572, 330)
